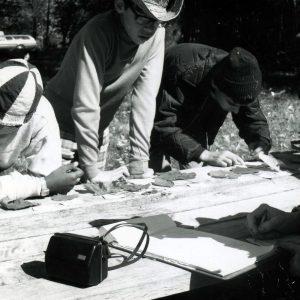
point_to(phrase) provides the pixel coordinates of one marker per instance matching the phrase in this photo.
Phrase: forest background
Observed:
(270, 29)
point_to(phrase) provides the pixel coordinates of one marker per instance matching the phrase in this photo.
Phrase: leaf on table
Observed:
(241, 170)
(151, 192)
(270, 161)
(114, 187)
(132, 187)
(16, 204)
(61, 197)
(176, 175)
(223, 174)
(102, 188)
(162, 182)
(94, 188)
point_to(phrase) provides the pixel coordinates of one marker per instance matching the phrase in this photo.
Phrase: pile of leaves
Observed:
(167, 179)
(114, 187)
(162, 179)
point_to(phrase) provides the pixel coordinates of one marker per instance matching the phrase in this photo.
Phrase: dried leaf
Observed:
(16, 204)
(114, 187)
(176, 175)
(241, 170)
(93, 188)
(135, 187)
(60, 197)
(223, 174)
(162, 182)
(153, 191)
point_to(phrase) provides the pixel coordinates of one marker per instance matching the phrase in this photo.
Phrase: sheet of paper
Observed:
(215, 254)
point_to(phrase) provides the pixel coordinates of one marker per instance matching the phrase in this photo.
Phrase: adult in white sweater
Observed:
(115, 52)
(30, 150)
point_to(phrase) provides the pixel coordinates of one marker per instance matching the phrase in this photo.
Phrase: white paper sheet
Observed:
(192, 249)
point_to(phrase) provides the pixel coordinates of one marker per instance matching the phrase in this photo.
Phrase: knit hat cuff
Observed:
(241, 93)
(239, 76)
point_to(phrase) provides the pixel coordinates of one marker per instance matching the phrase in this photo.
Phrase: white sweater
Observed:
(100, 67)
(36, 144)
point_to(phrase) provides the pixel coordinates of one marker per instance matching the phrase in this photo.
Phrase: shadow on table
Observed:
(102, 222)
(37, 270)
(231, 226)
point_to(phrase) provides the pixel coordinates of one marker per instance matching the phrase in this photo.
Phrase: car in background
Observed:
(17, 42)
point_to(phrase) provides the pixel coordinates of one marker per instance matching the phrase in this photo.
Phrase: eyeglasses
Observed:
(142, 19)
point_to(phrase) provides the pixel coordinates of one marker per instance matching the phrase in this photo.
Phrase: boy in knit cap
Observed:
(200, 85)
(30, 149)
(116, 52)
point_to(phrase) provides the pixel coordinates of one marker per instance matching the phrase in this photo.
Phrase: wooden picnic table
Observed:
(203, 202)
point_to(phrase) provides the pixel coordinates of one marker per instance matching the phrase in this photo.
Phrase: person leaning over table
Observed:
(200, 85)
(114, 52)
(267, 222)
(30, 149)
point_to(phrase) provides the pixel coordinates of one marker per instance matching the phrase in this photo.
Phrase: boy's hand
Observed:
(112, 175)
(147, 174)
(138, 169)
(64, 178)
(269, 222)
(221, 159)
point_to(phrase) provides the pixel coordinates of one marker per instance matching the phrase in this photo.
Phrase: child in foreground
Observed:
(30, 149)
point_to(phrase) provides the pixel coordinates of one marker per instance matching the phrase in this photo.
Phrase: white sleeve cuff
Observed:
(16, 186)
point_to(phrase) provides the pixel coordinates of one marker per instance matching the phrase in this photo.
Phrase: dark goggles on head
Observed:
(140, 17)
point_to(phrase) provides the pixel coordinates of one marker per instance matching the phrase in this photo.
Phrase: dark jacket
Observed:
(187, 118)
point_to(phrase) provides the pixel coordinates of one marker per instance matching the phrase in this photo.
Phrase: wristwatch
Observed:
(44, 189)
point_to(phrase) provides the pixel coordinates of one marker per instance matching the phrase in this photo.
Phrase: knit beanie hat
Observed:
(240, 77)
(21, 89)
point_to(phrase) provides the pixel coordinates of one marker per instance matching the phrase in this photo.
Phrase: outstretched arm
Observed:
(253, 126)
(86, 107)
(143, 105)
(17, 186)
(270, 222)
